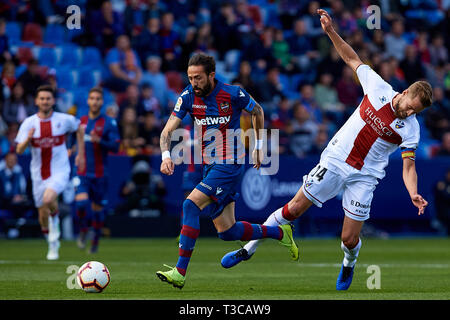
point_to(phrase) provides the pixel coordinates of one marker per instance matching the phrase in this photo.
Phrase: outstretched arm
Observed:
(167, 165)
(258, 123)
(410, 180)
(343, 48)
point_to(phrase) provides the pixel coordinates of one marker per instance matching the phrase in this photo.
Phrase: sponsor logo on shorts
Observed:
(205, 185)
(359, 205)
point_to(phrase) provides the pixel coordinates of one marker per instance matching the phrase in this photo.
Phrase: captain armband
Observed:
(409, 153)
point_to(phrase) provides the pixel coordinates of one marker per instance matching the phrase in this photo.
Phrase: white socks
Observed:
(275, 219)
(350, 255)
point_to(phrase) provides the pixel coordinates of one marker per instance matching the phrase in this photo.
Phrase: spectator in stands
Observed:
(105, 25)
(377, 45)
(412, 66)
(148, 42)
(131, 143)
(5, 55)
(270, 90)
(143, 191)
(132, 100)
(312, 24)
(347, 24)
(150, 131)
(153, 76)
(244, 77)
(9, 74)
(225, 29)
(123, 66)
(395, 42)
(307, 99)
(302, 131)
(155, 8)
(279, 119)
(112, 110)
(204, 38)
(326, 96)
(7, 140)
(135, 18)
(444, 149)
(442, 201)
(388, 74)
(438, 51)
(437, 118)
(31, 78)
(281, 52)
(321, 141)
(148, 102)
(348, 91)
(18, 106)
(422, 47)
(332, 64)
(301, 47)
(13, 186)
(170, 42)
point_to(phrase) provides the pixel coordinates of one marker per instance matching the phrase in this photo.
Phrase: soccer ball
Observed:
(93, 276)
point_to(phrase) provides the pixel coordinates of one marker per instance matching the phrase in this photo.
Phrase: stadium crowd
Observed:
(137, 50)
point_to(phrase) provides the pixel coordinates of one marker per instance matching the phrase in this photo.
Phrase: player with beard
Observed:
(46, 132)
(356, 156)
(215, 108)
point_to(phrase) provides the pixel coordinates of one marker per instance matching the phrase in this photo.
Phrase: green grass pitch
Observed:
(412, 268)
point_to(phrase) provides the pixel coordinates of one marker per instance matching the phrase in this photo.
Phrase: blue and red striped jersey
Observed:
(215, 114)
(96, 154)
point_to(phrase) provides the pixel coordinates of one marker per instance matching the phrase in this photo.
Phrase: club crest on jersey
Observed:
(224, 106)
(383, 99)
(399, 124)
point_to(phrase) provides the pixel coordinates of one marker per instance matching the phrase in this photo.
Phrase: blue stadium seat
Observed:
(14, 32)
(108, 98)
(80, 96)
(47, 57)
(54, 33)
(86, 77)
(69, 56)
(91, 57)
(64, 78)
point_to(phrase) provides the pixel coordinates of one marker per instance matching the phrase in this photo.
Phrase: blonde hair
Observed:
(423, 90)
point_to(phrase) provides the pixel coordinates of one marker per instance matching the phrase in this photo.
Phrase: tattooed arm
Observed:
(167, 165)
(258, 124)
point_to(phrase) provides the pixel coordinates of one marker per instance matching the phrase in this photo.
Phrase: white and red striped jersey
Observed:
(48, 147)
(372, 132)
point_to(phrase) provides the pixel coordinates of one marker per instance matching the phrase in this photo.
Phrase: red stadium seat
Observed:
(255, 15)
(174, 81)
(33, 32)
(24, 55)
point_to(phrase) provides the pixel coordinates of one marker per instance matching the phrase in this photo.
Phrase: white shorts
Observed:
(323, 183)
(57, 182)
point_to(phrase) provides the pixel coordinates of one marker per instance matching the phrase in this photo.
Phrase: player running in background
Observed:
(50, 168)
(215, 105)
(356, 156)
(101, 137)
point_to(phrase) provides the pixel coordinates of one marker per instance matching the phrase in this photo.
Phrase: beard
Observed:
(203, 92)
(398, 113)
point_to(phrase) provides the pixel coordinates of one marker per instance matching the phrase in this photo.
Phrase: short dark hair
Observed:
(201, 59)
(96, 89)
(46, 88)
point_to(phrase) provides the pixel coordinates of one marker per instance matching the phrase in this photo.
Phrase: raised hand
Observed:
(325, 20)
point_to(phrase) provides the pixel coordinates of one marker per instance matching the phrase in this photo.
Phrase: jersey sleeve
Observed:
(72, 123)
(22, 134)
(411, 142)
(244, 101)
(369, 79)
(181, 107)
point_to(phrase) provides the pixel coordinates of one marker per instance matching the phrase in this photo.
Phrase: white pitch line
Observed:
(300, 264)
